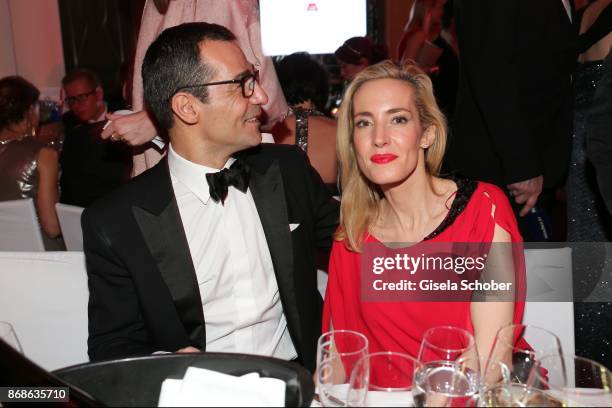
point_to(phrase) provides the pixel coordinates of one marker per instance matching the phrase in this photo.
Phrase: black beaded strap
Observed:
(465, 190)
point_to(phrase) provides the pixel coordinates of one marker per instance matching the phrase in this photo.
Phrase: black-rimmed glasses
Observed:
(247, 83)
(71, 100)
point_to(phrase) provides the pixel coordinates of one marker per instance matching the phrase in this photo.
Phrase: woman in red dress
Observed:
(391, 142)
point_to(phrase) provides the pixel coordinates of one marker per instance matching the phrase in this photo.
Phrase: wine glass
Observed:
(576, 381)
(511, 361)
(447, 383)
(8, 335)
(448, 343)
(337, 353)
(383, 379)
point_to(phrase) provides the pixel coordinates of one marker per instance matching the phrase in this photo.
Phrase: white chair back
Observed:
(44, 296)
(549, 282)
(70, 223)
(19, 229)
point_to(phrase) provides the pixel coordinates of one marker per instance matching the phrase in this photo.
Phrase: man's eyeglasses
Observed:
(71, 100)
(247, 83)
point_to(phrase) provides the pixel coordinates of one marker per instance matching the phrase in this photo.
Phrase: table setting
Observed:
(449, 371)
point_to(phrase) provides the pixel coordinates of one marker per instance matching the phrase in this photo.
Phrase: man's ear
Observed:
(184, 107)
(428, 137)
(99, 93)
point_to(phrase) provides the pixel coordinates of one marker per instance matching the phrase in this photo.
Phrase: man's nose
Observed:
(259, 97)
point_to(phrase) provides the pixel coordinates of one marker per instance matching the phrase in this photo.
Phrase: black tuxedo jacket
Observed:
(513, 118)
(144, 295)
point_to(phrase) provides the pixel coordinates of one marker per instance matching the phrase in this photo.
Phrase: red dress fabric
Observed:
(399, 326)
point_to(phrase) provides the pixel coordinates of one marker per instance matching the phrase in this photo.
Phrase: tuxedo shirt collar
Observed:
(191, 174)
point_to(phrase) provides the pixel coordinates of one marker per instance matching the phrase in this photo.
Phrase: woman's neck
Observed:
(410, 211)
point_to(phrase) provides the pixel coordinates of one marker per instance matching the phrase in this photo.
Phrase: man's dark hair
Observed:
(303, 78)
(16, 96)
(173, 61)
(82, 73)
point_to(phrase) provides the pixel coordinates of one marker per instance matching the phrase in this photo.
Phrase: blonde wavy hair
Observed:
(360, 197)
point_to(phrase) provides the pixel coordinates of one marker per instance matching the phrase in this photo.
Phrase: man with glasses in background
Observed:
(91, 166)
(213, 248)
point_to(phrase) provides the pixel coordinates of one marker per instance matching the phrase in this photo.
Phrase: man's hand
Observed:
(526, 192)
(188, 350)
(134, 129)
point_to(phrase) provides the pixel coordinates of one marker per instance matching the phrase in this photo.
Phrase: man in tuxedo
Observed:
(213, 248)
(91, 166)
(513, 119)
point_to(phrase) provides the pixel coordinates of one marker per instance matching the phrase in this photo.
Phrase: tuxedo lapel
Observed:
(160, 224)
(266, 185)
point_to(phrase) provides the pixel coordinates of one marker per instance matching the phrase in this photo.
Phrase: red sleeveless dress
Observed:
(399, 326)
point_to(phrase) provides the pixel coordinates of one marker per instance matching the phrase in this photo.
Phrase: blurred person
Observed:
(91, 166)
(391, 143)
(241, 17)
(28, 169)
(599, 134)
(587, 217)
(432, 44)
(356, 54)
(305, 84)
(213, 248)
(513, 117)
(84, 97)
(589, 190)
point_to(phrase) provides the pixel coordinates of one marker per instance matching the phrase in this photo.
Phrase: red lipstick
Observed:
(383, 158)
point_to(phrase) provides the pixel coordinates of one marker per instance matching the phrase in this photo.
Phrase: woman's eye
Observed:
(361, 123)
(399, 120)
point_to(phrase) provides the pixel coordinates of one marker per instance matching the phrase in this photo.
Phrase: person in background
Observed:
(391, 143)
(241, 17)
(305, 85)
(587, 218)
(91, 166)
(84, 98)
(28, 169)
(513, 117)
(356, 54)
(589, 187)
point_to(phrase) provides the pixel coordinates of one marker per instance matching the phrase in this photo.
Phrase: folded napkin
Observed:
(206, 388)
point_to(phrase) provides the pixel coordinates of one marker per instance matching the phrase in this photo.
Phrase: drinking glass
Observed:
(447, 384)
(337, 353)
(447, 343)
(8, 335)
(516, 395)
(576, 381)
(511, 361)
(383, 379)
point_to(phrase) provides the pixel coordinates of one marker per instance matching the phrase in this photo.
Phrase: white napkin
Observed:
(206, 388)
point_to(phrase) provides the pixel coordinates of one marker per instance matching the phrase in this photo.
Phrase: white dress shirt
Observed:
(238, 287)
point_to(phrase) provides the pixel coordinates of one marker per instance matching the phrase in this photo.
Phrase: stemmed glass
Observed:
(506, 378)
(573, 380)
(450, 372)
(383, 379)
(338, 352)
(8, 335)
(447, 343)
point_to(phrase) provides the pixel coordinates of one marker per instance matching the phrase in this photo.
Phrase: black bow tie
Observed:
(237, 175)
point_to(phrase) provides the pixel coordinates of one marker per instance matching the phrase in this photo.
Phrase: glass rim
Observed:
(524, 326)
(470, 336)
(602, 369)
(320, 344)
